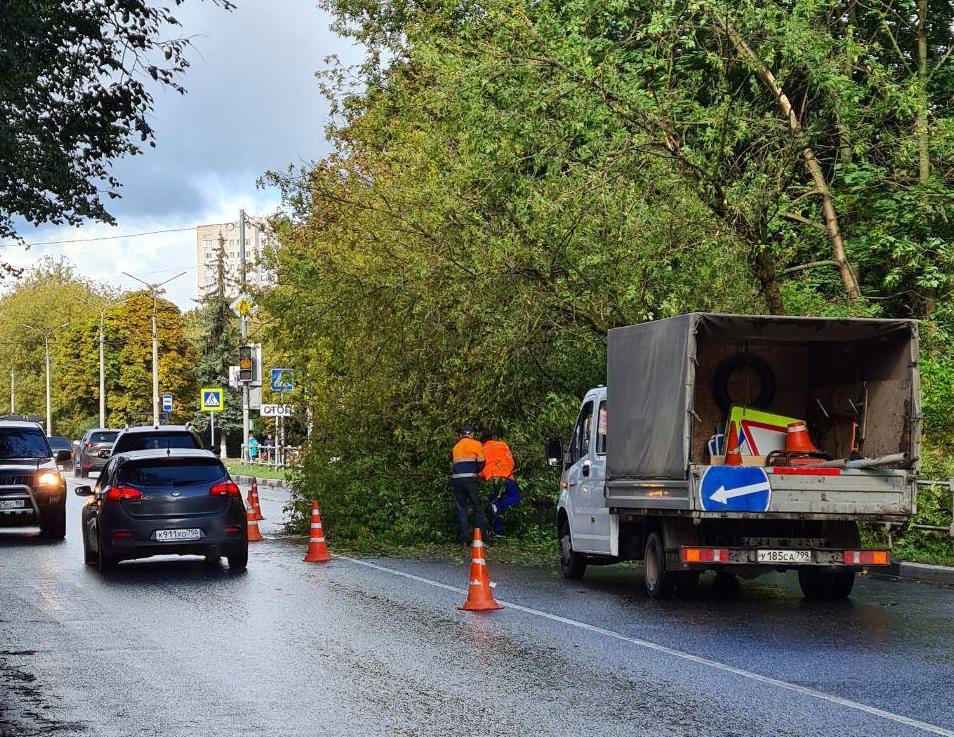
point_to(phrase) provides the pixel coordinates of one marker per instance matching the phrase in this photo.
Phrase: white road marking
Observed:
(715, 664)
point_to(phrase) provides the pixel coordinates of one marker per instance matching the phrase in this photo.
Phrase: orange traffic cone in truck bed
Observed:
(733, 456)
(317, 550)
(480, 597)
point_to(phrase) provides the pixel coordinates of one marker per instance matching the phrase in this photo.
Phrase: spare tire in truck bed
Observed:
(723, 374)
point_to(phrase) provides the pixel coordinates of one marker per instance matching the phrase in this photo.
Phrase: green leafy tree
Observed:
(75, 95)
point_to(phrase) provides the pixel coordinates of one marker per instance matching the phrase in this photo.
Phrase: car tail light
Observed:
(232, 530)
(122, 535)
(88, 446)
(123, 493)
(867, 557)
(226, 488)
(705, 555)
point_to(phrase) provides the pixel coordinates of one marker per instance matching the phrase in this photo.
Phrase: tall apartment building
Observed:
(206, 253)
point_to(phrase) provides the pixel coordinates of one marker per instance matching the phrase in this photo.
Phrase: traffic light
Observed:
(246, 363)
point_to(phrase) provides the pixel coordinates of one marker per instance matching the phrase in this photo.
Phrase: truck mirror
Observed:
(554, 452)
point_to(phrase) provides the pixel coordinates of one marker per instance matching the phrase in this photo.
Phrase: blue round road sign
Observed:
(735, 489)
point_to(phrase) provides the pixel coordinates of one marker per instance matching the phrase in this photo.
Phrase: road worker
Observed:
(498, 470)
(468, 461)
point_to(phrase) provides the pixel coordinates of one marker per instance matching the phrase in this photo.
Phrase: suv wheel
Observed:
(53, 523)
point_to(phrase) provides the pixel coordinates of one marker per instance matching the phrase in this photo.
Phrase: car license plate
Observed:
(12, 503)
(186, 534)
(784, 556)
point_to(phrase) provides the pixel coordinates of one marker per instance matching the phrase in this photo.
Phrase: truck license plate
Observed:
(13, 504)
(186, 534)
(784, 556)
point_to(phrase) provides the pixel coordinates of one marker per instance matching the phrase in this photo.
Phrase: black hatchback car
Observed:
(161, 502)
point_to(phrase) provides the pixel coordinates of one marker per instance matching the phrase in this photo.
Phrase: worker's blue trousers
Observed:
(505, 496)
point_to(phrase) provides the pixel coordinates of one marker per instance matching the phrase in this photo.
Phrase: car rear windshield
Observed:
(155, 441)
(103, 437)
(23, 443)
(58, 442)
(172, 472)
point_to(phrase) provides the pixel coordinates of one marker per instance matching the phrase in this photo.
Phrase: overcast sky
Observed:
(253, 105)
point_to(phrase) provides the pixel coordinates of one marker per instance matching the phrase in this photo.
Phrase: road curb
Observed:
(923, 572)
(273, 483)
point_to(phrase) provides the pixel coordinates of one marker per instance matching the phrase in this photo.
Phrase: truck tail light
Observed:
(226, 488)
(705, 555)
(867, 557)
(123, 493)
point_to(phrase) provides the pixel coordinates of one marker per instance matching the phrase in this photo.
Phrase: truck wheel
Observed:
(659, 581)
(818, 584)
(572, 564)
(53, 524)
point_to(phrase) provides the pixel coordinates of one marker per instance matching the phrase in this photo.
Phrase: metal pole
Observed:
(244, 328)
(211, 429)
(102, 371)
(13, 392)
(155, 363)
(49, 414)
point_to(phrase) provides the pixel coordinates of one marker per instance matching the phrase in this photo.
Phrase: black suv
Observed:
(32, 491)
(159, 437)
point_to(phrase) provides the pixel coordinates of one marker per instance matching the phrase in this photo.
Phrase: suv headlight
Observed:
(49, 479)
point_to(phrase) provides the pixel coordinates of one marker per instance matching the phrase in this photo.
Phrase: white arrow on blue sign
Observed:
(167, 403)
(735, 489)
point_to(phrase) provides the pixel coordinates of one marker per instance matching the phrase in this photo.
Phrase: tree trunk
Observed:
(768, 279)
(808, 155)
(924, 136)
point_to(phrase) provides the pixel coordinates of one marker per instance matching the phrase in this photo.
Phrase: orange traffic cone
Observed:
(255, 500)
(317, 550)
(480, 598)
(733, 456)
(251, 524)
(797, 439)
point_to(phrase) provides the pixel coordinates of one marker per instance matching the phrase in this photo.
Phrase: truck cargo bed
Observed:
(870, 495)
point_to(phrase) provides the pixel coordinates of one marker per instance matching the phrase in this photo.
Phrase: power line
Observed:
(91, 240)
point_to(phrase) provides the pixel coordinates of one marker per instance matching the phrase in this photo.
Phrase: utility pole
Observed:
(154, 289)
(13, 392)
(244, 328)
(47, 334)
(102, 352)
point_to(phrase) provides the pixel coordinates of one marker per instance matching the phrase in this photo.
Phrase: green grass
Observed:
(237, 468)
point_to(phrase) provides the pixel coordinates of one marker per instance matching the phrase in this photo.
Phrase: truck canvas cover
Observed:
(660, 383)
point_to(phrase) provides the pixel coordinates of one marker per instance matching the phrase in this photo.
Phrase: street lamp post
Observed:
(102, 353)
(154, 289)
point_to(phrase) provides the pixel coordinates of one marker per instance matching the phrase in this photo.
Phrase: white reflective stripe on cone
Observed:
(478, 543)
(316, 525)
(480, 561)
(316, 539)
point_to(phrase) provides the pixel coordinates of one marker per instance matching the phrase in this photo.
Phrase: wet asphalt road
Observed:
(377, 647)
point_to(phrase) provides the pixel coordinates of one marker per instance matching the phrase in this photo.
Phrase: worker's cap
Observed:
(467, 430)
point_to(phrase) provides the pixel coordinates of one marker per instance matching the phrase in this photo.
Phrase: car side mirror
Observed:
(216, 450)
(84, 490)
(63, 455)
(554, 449)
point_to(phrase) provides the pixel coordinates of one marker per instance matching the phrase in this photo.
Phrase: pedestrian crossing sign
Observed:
(210, 399)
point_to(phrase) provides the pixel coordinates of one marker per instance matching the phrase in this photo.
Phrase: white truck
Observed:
(644, 478)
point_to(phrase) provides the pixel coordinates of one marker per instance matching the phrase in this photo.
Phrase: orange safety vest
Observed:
(499, 460)
(468, 458)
